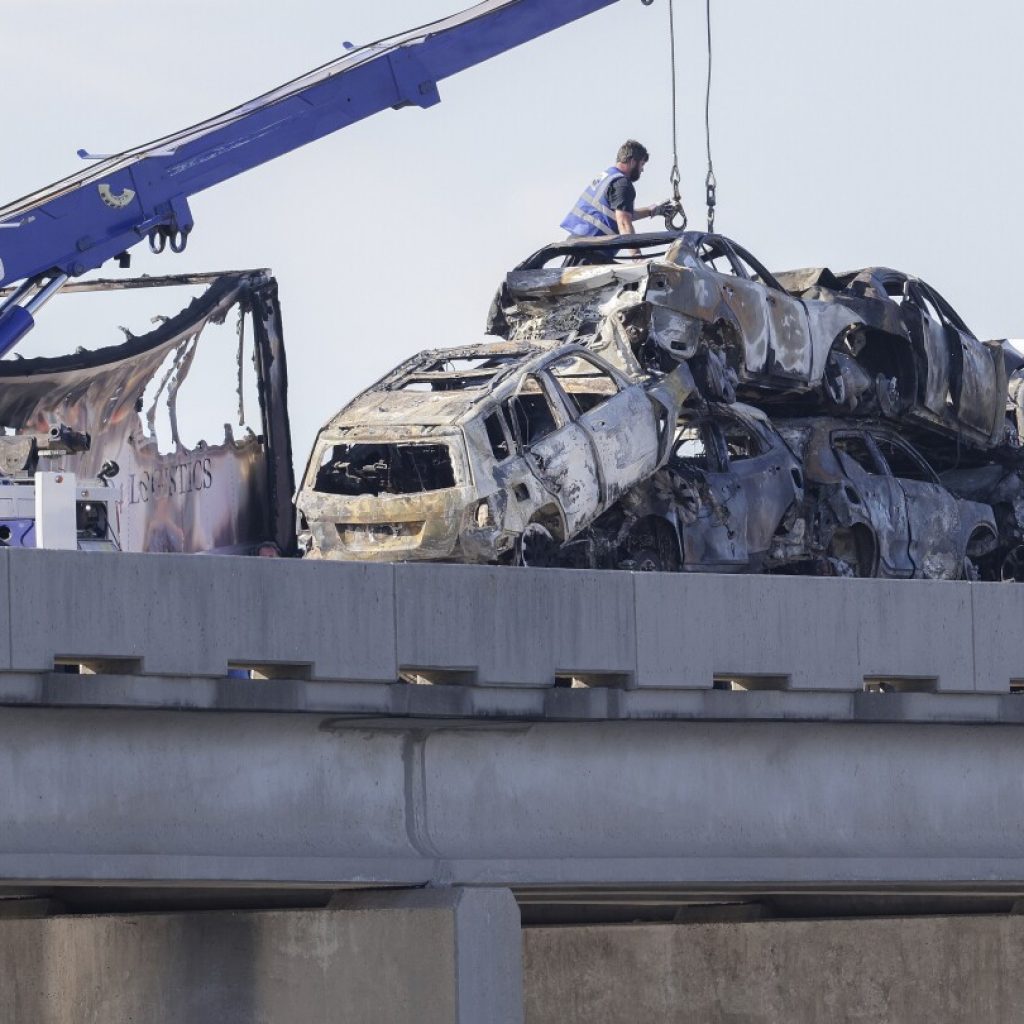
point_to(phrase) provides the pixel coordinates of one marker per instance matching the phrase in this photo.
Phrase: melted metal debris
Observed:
(228, 497)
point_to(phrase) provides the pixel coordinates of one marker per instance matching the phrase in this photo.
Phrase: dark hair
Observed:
(632, 150)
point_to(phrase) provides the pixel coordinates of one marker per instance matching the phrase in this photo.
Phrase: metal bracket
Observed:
(416, 87)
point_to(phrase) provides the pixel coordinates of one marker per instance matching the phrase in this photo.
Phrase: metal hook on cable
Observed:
(676, 209)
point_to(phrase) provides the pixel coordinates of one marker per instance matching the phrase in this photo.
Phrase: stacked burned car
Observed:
(686, 409)
(870, 342)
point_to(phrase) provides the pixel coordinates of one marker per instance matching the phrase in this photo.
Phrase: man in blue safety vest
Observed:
(607, 204)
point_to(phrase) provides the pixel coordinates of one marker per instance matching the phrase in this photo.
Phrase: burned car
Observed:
(693, 296)
(815, 495)
(729, 499)
(875, 507)
(914, 359)
(482, 454)
(875, 342)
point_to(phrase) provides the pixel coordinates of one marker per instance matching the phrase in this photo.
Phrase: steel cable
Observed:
(710, 184)
(674, 175)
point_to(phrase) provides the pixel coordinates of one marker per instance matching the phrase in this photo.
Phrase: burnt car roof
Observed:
(663, 240)
(439, 367)
(865, 283)
(429, 389)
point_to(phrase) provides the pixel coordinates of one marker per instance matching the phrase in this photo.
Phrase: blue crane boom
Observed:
(77, 224)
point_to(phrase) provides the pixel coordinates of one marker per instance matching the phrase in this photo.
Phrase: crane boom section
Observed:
(80, 222)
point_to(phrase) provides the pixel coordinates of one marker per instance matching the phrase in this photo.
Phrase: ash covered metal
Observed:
(485, 453)
(231, 495)
(726, 419)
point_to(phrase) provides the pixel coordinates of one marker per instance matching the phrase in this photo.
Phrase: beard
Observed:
(634, 175)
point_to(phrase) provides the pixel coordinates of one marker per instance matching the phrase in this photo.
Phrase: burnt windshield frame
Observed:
(584, 245)
(924, 467)
(943, 306)
(764, 275)
(881, 467)
(569, 398)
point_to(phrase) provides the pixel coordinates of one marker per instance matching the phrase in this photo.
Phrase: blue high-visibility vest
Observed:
(592, 215)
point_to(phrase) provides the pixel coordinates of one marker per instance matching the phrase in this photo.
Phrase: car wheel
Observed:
(536, 547)
(851, 553)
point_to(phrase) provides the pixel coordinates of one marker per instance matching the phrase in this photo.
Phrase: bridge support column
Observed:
(434, 956)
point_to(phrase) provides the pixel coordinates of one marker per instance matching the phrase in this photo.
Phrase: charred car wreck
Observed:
(231, 495)
(804, 422)
(814, 496)
(873, 342)
(484, 454)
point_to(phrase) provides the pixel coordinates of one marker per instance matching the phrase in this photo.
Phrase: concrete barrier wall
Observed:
(957, 970)
(168, 615)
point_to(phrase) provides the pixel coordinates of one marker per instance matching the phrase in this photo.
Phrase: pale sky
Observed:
(886, 132)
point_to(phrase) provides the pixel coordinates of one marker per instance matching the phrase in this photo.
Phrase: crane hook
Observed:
(676, 207)
(670, 218)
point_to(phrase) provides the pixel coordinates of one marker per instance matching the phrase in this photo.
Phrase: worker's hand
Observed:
(663, 209)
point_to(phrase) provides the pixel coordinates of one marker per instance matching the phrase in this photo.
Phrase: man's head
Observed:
(632, 158)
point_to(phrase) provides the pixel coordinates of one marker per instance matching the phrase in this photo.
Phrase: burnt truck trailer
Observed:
(229, 495)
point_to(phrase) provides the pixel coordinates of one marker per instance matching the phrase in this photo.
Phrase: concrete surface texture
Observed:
(168, 797)
(955, 970)
(500, 627)
(423, 957)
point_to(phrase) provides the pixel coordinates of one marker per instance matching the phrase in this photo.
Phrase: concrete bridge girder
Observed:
(172, 798)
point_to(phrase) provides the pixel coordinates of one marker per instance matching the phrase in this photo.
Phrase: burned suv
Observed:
(485, 453)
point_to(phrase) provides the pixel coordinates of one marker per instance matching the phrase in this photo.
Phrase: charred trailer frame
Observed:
(234, 497)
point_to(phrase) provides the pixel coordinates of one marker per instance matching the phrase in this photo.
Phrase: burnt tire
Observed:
(982, 558)
(851, 552)
(536, 547)
(652, 549)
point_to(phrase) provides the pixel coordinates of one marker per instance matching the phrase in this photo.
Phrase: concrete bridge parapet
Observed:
(164, 615)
